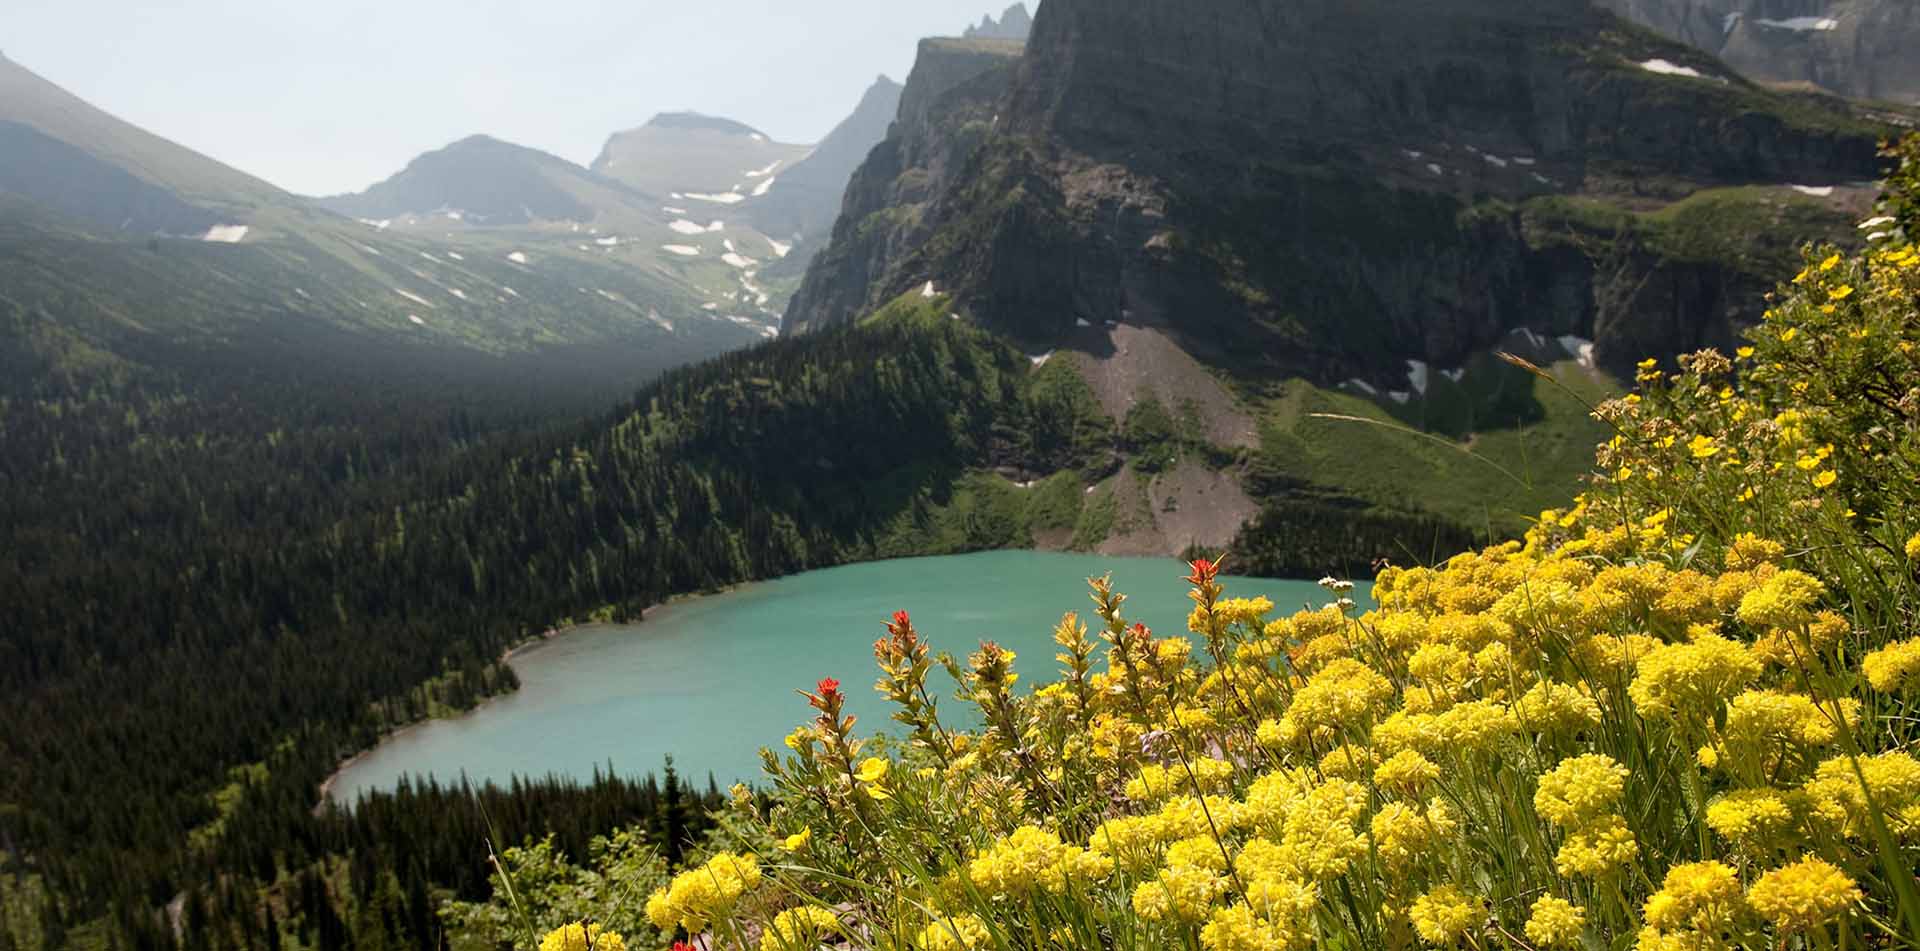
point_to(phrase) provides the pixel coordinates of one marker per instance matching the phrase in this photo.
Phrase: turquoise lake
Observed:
(711, 680)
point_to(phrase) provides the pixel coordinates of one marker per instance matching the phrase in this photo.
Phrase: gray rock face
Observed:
(807, 201)
(1257, 177)
(1867, 49)
(1014, 24)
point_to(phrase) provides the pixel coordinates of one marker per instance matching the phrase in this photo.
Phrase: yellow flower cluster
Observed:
(1895, 667)
(799, 929)
(959, 933)
(579, 937)
(702, 895)
(1034, 859)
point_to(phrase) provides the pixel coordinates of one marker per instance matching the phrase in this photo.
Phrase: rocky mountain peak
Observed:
(1015, 24)
(698, 122)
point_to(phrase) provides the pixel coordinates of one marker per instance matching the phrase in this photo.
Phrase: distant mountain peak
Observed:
(1015, 24)
(701, 122)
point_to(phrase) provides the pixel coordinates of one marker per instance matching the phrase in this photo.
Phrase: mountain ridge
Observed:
(1096, 185)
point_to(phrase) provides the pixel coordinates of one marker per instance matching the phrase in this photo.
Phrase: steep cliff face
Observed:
(947, 111)
(807, 201)
(1860, 48)
(1329, 188)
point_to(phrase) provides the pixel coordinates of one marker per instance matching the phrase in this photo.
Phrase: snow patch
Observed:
(413, 297)
(416, 319)
(674, 211)
(1817, 191)
(929, 291)
(1417, 376)
(1729, 22)
(1436, 169)
(225, 234)
(457, 292)
(608, 242)
(717, 226)
(685, 251)
(456, 215)
(379, 225)
(1362, 385)
(1524, 161)
(1669, 68)
(764, 187)
(683, 226)
(769, 170)
(372, 250)
(455, 255)
(1579, 348)
(1802, 24)
(738, 260)
(1495, 161)
(1455, 375)
(517, 257)
(1083, 322)
(1042, 359)
(723, 198)
(1400, 396)
(781, 248)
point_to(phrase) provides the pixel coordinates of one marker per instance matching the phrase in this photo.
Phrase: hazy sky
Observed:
(325, 96)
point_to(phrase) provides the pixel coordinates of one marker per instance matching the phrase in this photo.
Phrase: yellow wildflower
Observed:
(1692, 679)
(1443, 915)
(697, 897)
(1555, 923)
(1580, 789)
(1784, 600)
(798, 840)
(1183, 893)
(1599, 849)
(579, 937)
(1803, 896)
(1895, 667)
(959, 933)
(797, 929)
(1406, 772)
(1752, 819)
(1697, 896)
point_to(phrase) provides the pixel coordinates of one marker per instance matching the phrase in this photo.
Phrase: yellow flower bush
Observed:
(579, 937)
(1679, 713)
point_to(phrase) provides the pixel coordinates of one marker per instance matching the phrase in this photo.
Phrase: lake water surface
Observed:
(711, 680)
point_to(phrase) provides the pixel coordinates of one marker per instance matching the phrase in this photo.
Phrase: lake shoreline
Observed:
(915, 582)
(506, 657)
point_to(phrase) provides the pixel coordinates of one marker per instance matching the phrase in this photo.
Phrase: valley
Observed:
(1332, 289)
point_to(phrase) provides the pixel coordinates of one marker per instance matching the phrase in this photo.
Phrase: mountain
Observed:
(483, 181)
(1014, 24)
(807, 199)
(1272, 217)
(1859, 48)
(119, 248)
(695, 160)
(1272, 189)
(68, 154)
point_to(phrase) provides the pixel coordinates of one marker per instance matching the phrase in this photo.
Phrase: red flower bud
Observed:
(828, 686)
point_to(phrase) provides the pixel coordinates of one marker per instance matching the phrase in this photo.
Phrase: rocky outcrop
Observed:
(1015, 24)
(1325, 188)
(946, 110)
(1860, 48)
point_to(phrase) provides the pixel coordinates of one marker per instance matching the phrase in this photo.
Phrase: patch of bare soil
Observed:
(1188, 505)
(1124, 361)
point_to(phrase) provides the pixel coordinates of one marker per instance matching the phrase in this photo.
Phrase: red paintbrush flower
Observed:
(1204, 571)
(828, 686)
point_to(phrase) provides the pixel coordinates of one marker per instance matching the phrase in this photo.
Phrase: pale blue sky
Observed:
(324, 96)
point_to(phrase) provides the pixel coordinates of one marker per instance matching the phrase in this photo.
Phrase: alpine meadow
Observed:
(886, 515)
